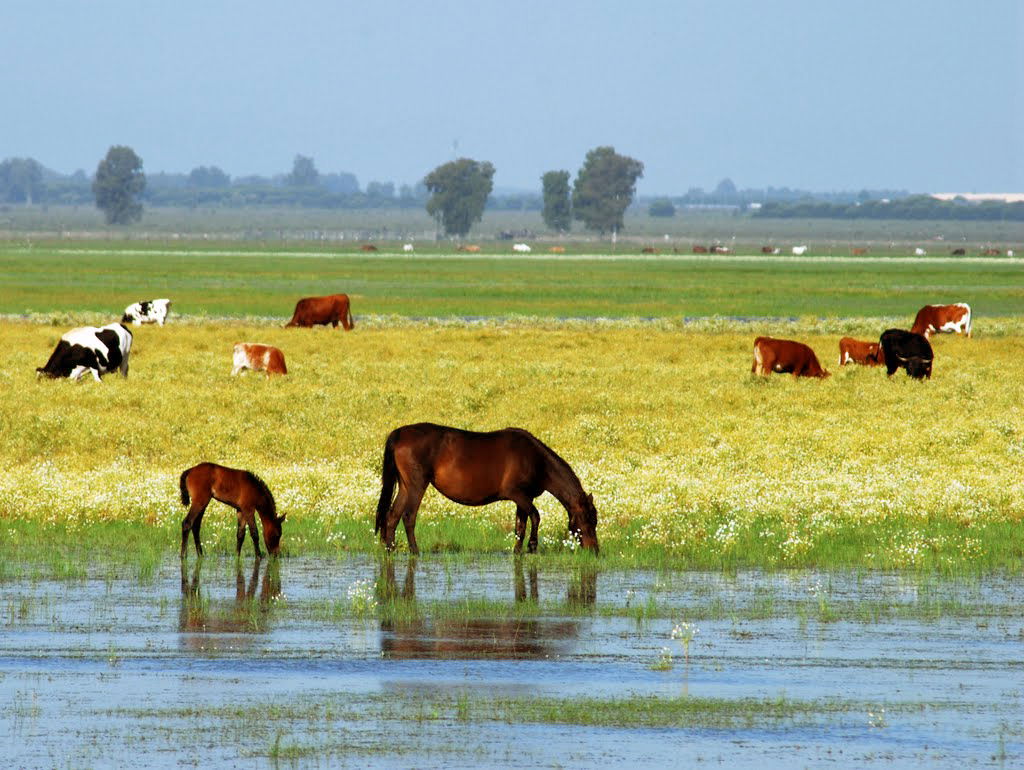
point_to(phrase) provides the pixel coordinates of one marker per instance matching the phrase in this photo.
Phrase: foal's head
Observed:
(583, 522)
(272, 532)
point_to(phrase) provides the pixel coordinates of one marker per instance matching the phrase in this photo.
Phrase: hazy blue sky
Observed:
(924, 95)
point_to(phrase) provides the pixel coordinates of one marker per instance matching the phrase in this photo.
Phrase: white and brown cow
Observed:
(259, 358)
(858, 352)
(95, 349)
(150, 311)
(932, 319)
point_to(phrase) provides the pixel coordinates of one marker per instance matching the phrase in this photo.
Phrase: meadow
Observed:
(693, 462)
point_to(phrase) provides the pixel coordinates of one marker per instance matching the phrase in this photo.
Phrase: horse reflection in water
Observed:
(412, 635)
(202, 620)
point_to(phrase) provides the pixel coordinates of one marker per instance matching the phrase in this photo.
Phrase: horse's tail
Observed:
(183, 485)
(388, 479)
(351, 321)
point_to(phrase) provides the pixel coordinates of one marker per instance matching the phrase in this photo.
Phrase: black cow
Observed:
(906, 349)
(89, 349)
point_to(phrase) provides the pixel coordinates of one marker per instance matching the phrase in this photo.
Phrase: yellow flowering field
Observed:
(692, 461)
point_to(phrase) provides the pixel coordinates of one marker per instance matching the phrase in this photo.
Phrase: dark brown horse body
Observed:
(477, 469)
(242, 490)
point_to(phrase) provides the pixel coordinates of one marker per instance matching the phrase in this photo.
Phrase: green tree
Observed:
(557, 212)
(20, 180)
(118, 185)
(208, 176)
(459, 191)
(304, 173)
(661, 207)
(604, 188)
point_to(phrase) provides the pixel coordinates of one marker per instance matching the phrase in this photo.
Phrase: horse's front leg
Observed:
(521, 515)
(250, 518)
(534, 526)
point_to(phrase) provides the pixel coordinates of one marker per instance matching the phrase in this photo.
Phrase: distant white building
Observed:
(979, 197)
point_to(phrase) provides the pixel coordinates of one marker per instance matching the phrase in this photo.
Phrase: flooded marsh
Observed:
(494, 661)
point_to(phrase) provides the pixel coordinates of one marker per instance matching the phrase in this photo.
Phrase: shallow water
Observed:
(233, 663)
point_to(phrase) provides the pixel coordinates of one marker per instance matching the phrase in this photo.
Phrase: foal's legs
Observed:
(246, 518)
(192, 520)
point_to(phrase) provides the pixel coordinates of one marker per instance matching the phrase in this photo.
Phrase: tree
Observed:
(208, 176)
(557, 211)
(661, 207)
(304, 173)
(118, 185)
(604, 188)
(459, 192)
(20, 180)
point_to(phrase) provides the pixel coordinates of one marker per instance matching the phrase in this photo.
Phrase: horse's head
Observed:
(272, 533)
(583, 522)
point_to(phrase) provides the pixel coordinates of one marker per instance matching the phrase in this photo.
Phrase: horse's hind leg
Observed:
(192, 521)
(524, 509)
(412, 507)
(521, 516)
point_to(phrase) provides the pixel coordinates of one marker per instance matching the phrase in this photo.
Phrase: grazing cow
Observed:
(857, 352)
(799, 251)
(990, 253)
(407, 247)
(919, 252)
(312, 311)
(368, 247)
(98, 350)
(649, 250)
(943, 318)
(908, 350)
(700, 250)
(858, 252)
(959, 252)
(1009, 252)
(557, 249)
(719, 249)
(259, 358)
(767, 249)
(523, 248)
(147, 312)
(772, 355)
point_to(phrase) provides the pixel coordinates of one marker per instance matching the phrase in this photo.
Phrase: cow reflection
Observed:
(201, 618)
(408, 632)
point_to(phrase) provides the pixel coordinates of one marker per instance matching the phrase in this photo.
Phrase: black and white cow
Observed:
(147, 312)
(906, 349)
(96, 349)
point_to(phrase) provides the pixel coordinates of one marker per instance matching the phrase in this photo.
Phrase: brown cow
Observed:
(259, 358)
(368, 247)
(991, 253)
(959, 252)
(649, 250)
(772, 355)
(312, 311)
(767, 249)
(700, 250)
(857, 352)
(943, 318)
(557, 249)
(858, 252)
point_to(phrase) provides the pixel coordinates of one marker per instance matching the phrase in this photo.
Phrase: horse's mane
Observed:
(551, 454)
(268, 497)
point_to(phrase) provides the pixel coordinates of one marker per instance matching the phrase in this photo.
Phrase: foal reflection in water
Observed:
(196, 614)
(244, 491)
(477, 469)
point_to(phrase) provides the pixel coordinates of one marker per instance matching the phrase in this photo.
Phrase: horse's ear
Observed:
(591, 499)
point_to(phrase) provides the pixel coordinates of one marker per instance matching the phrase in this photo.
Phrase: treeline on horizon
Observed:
(25, 181)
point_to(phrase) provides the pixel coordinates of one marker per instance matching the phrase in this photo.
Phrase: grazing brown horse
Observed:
(477, 469)
(242, 490)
